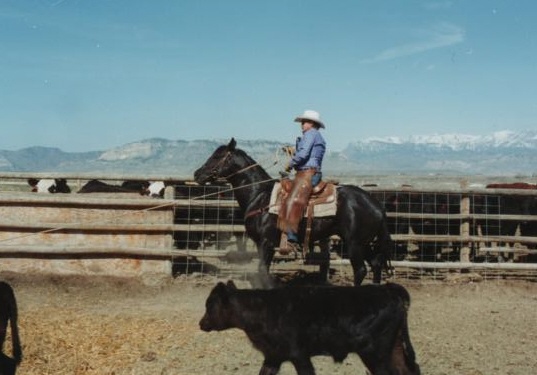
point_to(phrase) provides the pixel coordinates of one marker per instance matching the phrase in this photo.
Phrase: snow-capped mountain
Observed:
(456, 142)
(500, 153)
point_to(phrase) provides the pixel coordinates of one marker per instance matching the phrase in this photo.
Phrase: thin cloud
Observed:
(443, 35)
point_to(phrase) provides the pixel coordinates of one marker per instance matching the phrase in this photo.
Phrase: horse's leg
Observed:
(324, 266)
(382, 253)
(376, 265)
(265, 249)
(356, 254)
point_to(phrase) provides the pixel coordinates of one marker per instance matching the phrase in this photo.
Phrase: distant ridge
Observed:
(501, 153)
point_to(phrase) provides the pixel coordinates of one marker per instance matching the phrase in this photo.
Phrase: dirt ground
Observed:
(109, 326)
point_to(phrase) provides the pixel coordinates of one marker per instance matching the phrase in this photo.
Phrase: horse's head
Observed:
(219, 164)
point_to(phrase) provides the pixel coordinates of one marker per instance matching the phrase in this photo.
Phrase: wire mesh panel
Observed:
(504, 222)
(207, 213)
(435, 231)
(417, 219)
(211, 225)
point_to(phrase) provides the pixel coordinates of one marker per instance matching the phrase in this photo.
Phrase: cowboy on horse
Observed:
(306, 161)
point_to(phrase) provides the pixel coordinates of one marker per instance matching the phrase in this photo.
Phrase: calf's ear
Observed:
(220, 291)
(231, 285)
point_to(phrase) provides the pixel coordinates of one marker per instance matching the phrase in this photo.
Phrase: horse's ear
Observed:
(231, 145)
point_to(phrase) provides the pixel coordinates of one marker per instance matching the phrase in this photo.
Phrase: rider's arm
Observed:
(303, 150)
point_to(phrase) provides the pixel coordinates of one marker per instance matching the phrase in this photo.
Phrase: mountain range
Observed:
(502, 153)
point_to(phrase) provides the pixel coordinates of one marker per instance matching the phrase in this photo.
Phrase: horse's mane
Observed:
(245, 156)
(251, 161)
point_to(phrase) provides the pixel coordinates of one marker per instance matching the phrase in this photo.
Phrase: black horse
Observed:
(360, 220)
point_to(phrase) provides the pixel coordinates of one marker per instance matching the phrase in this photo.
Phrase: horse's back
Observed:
(356, 198)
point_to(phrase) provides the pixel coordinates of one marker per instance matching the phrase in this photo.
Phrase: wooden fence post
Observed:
(465, 223)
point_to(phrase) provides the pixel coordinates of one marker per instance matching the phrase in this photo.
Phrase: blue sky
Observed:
(92, 75)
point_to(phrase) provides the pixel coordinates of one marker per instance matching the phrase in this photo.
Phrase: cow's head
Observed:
(218, 310)
(155, 189)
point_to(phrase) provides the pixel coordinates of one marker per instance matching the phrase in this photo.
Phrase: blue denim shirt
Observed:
(309, 152)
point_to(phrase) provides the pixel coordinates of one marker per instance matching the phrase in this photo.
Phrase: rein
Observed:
(255, 164)
(241, 170)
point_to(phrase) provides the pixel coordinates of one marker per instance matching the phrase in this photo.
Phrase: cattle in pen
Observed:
(529, 227)
(8, 314)
(49, 185)
(296, 323)
(416, 212)
(97, 186)
(507, 204)
(197, 214)
(514, 205)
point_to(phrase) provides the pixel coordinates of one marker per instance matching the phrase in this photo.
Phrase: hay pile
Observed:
(75, 342)
(104, 327)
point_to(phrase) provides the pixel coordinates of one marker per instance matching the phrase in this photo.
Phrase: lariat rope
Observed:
(168, 204)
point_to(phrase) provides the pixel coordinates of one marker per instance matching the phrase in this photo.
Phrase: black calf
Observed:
(294, 324)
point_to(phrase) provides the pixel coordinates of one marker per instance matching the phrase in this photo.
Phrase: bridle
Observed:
(214, 175)
(214, 171)
(221, 163)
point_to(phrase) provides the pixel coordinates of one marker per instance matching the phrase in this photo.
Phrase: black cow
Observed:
(57, 185)
(296, 323)
(8, 312)
(96, 186)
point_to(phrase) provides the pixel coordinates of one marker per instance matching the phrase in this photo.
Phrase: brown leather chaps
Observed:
(294, 204)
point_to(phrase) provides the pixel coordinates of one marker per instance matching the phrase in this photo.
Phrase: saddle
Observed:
(297, 199)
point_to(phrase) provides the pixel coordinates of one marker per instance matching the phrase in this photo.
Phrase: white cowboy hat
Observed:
(311, 116)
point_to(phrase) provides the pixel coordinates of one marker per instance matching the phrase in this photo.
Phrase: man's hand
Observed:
(289, 150)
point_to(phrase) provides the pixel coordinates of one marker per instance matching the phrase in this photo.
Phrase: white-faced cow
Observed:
(155, 189)
(296, 323)
(8, 313)
(57, 185)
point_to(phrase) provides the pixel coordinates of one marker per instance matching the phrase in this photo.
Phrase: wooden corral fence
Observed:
(134, 235)
(463, 228)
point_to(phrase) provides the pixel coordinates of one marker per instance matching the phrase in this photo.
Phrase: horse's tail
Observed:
(13, 317)
(384, 247)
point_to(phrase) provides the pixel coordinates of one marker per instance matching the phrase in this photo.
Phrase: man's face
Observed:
(306, 125)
